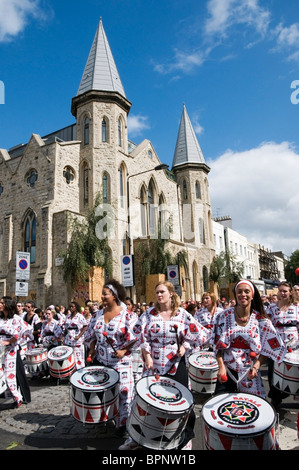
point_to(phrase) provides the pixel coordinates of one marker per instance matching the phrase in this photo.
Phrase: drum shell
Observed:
(286, 374)
(203, 369)
(36, 360)
(3, 385)
(94, 404)
(61, 362)
(156, 428)
(219, 435)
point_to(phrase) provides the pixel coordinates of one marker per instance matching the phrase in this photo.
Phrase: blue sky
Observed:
(232, 62)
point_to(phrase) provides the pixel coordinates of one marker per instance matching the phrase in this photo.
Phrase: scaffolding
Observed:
(268, 264)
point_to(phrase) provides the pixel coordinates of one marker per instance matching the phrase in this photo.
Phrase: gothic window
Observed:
(68, 174)
(201, 231)
(197, 190)
(151, 210)
(85, 185)
(122, 185)
(185, 192)
(86, 131)
(150, 155)
(106, 188)
(31, 178)
(143, 204)
(104, 130)
(119, 132)
(1, 189)
(30, 236)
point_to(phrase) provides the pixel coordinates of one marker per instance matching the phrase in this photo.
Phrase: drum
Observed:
(94, 394)
(203, 369)
(286, 374)
(159, 413)
(137, 364)
(36, 360)
(239, 421)
(61, 362)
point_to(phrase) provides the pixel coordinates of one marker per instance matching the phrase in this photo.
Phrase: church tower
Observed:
(191, 171)
(101, 110)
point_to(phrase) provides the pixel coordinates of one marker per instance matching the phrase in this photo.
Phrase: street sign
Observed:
(21, 289)
(127, 270)
(23, 266)
(173, 274)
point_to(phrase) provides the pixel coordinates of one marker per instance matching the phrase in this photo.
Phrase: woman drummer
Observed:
(114, 334)
(72, 333)
(12, 330)
(285, 317)
(243, 336)
(168, 332)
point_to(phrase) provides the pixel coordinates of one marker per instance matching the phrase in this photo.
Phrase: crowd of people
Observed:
(244, 333)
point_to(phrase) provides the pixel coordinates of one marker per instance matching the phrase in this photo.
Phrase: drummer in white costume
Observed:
(239, 334)
(12, 329)
(50, 331)
(73, 331)
(114, 334)
(207, 313)
(285, 317)
(168, 331)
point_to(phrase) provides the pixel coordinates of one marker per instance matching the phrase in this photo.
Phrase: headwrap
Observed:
(248, 283)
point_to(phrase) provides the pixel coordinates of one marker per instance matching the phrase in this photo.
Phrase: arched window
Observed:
(197, 190)
(151, 209)
(143, 204)
(185, 192)
(119, 132)
(122, 185)
(85, 185)
(86, 131)
(106, 188)
(104, 130)
(30, 236)
(201, 231)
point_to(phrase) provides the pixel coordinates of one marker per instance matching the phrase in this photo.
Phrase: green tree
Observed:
(225, 266)
(85, 250)
(291, 266)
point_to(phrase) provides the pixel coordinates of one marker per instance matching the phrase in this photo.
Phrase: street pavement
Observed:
(47, 423)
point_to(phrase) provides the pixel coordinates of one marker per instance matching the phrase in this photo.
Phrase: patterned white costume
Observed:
(286, 322)
(119, 333)
(159, 338)
(236, 342)
(72, 328)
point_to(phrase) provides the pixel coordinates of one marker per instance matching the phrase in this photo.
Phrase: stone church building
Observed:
(50, 180)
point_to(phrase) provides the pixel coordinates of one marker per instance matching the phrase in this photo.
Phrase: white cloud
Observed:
(223, 14)
(15, 15)
(258, 188)
(137, 124)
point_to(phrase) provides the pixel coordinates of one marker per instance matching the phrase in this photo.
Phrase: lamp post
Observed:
(162, 166)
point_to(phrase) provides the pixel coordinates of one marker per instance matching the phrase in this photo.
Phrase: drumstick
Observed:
(253, 356)
(109, 341)
(176, 335)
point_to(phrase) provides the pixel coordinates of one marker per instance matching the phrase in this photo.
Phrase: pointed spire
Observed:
(100, 72)
(187, 148)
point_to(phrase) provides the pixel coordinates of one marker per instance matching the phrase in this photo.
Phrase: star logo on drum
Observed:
(238, 413)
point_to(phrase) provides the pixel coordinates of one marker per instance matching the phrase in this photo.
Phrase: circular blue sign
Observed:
(126, 260)
(23, 264)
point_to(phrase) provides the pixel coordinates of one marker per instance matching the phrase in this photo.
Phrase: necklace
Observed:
(242, 319)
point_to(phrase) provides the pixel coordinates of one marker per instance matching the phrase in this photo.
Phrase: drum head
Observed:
(164, 393)
(36, 351)
(292, 357)
(203, 360)
(60, 353)
(238, 414)
(94, 378)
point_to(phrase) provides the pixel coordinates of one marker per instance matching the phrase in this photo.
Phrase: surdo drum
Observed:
(94, 394)
(3, 385)
(239, 421)
(203, 369)
(36, 360)
(61, 362)
(159, 413)
(286, 374)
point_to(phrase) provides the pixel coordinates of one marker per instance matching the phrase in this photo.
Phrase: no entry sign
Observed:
(23, 266)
